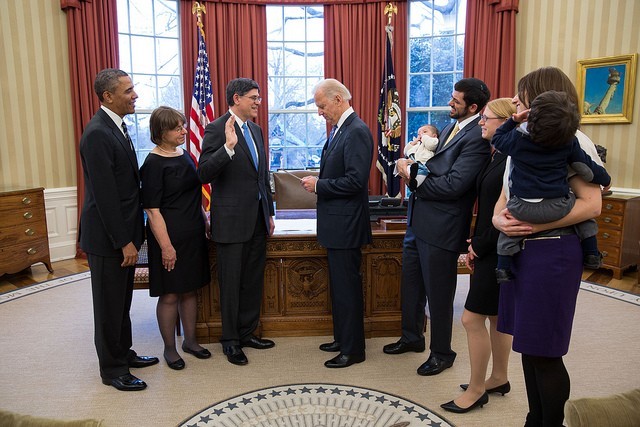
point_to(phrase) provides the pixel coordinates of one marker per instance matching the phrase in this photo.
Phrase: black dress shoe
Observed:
(433, 366)
(126, 382)
(330, 346)
(235, 355)
(502, 389)
(177, 365)
(452, 407)
(200, 354)
(344, 360)
(142, 361)
(403, 347)
(255, 342)
(503, 276)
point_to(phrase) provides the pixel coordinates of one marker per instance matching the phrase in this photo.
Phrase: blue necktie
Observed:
(252, 146)
(333, 131)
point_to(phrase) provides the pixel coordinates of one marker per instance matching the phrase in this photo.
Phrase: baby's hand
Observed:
(521, 116)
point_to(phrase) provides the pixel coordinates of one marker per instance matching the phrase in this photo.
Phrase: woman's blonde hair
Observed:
(502, 107)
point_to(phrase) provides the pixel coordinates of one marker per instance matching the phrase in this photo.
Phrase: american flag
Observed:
(201, 110)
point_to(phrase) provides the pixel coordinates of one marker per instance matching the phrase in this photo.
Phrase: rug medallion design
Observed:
(316, 405)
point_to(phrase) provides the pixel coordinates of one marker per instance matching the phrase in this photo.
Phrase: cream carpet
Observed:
(48, 366)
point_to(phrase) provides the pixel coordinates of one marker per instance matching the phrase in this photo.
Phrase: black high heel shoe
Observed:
(502, 389)
(452, 407)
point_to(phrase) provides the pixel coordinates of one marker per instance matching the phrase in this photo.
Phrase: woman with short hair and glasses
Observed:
(483, 296)
(176, 233)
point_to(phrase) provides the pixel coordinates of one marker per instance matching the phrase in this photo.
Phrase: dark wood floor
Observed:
(38, 273)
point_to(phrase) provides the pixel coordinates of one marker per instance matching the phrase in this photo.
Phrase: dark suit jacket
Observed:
(235, 183)
(441, 208)
(343, 187)
(112, 212)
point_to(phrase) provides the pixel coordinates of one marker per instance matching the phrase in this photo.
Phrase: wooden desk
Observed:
(296, 296)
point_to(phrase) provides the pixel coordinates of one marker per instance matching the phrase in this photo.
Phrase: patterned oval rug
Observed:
(316, 405)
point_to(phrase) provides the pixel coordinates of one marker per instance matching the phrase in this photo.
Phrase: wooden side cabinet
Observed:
(619, 232)
(23, 230)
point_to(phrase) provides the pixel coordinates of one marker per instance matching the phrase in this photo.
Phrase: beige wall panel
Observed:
(35, 103)
(559, 33)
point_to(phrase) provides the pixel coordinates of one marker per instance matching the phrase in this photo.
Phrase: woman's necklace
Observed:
(174, 152)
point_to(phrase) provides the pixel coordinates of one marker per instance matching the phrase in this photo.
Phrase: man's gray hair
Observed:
(107, 80)
(331, 88)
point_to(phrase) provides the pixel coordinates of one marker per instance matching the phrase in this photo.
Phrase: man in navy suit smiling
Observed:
(234, 161)
(438, 224)
(342, 187)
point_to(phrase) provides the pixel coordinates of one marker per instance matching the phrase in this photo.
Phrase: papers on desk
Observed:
(293, 225)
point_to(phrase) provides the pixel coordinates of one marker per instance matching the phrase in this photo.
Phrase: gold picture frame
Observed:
(606, 88)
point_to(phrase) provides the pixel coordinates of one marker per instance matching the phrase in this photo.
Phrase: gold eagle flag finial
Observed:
(198, 9)
(390, 9)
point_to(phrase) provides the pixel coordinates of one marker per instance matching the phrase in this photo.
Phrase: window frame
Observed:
(140, 134)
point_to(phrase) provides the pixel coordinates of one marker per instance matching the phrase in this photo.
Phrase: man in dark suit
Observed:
(342, 187)
(233, 160)
(439, 218)
(111, 227)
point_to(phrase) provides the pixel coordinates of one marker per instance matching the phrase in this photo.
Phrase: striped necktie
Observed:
(331, 134)
(126, 135)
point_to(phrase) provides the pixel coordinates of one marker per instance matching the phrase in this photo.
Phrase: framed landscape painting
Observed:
(606, 89)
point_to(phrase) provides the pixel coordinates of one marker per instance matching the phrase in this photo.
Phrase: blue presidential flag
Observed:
(389, 125)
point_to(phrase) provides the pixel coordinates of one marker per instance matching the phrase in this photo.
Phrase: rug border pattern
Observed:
(42, 286)
(610, 292)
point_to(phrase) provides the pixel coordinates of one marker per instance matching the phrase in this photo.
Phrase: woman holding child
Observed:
(537, 307)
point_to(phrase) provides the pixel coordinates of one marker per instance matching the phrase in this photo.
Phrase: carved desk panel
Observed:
(296, 300)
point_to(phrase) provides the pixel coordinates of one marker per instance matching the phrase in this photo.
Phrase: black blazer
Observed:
(440, 209)
(112, 212)
(235, 183)
(343, 187)
(489, 187)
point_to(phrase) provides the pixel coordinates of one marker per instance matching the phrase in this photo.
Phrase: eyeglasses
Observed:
(484, 118)
(254, 98)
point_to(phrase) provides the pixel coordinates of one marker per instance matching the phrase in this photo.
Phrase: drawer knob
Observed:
(27, 215)
(605, 235)
(29, 232)
(608, 206)
(605, 254)
(32, 251)
(26, 201)
(607, 219)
